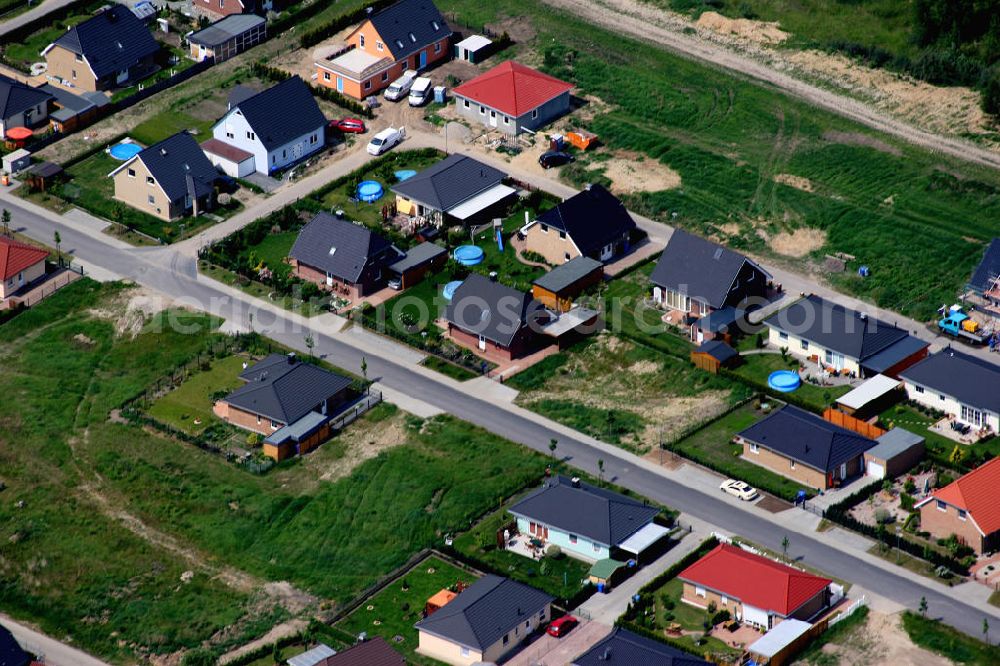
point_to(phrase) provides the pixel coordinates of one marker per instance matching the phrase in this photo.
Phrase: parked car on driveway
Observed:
(400, 88)
(739, 489)
(385, 140)
(554, 158)
(561, 626)
(349, 125)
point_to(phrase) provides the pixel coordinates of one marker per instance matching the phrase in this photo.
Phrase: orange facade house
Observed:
(410, 34)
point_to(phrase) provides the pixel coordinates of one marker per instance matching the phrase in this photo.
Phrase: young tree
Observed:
(310, 344)
(986, 631)
(784, 546)
(364, 368)
(922, 607)
(553, 443)
(58, 240)
(5, 218)
(600, 469)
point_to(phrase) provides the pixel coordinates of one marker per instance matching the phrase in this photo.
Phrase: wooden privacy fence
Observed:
(849, 422)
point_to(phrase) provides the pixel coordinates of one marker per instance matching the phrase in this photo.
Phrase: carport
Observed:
(644, 539)
(481, 202)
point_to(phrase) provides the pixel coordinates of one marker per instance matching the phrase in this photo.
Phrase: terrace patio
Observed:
(947, 427)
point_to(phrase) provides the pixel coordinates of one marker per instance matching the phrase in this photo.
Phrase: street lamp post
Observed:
(899, 531)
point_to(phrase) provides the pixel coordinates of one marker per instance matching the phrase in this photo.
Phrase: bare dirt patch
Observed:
(880, 641)
(629, 173)
(131, 309)
(362, 441)
(798, 182)
(519, 28)
(857, 139)
(763, 32)
(798, 243)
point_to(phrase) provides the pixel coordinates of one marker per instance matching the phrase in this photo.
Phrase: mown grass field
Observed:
(192, 400)
(918, 220)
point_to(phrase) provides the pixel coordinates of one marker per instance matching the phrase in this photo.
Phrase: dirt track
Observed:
(650, 24)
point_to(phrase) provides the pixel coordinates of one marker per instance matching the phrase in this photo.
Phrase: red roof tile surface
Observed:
(16, 256)
(512, 88)
(754, 580)
(978, 492)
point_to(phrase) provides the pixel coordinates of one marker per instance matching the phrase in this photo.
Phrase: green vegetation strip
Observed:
(951, 643)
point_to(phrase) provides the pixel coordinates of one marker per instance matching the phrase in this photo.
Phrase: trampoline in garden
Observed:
(784, 381)
(449, 289)
(125, 150)
(370, 190)
(405, 174)
(468, 255)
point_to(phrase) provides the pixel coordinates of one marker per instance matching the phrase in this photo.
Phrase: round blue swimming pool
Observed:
(784, 381)
(468, 255)
(405, 174)
(449, 289)
(125, 150)
(370, 190)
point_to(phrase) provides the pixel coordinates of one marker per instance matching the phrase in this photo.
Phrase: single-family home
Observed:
(112, 49)
(409, 34)
(21, 265)
(496, 320)
(21, 105)
(696, 279)
(456, 189)
(342, 256)
(227, 37)
(626, 648)
(488, 620)
(168, 180)
(985, 281)
(592, 223)
(372, 652)
(968, 508)
(558, 288)
(277, 128)
(841, 340)
(802, 446)
(512, 97)
(587, 522)
(282, 391)
(754, 589)
(964, 387)
(227, 7)
(11, 652)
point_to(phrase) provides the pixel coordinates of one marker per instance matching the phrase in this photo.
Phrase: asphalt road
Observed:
(176, 276)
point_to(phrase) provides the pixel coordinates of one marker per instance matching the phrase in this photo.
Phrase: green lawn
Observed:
(939, 447)
(669, 608)
(23, 53)
(757, 367)
(295, 303)
(396, 608)
(449, 369)
(948, 642)
(170, 122)
(192, 400)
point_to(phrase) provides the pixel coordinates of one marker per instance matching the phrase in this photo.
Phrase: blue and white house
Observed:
(587, 522)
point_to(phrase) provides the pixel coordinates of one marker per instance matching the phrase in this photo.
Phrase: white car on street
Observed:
(385, 140)
(739, 489)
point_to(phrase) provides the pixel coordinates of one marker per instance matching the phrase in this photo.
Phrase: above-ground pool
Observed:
(405, 174)
(784, 381)
(449, 289)
(369, 191)
(125, 150)
(468, 255)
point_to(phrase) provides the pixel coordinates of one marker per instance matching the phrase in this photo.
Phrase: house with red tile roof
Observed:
(754, 589)
(20, 265)
(512, 97)
(968, 507)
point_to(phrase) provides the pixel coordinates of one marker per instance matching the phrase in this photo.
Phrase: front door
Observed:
(329, 280)
(493, 118)
(340, 84)
(607, 251)
(423, 59)
(843, 471)
(482, 342)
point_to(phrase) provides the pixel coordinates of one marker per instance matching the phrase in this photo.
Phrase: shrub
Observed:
(721, 617)
(554, 551)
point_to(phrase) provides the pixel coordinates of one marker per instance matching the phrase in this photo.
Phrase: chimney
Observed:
(369, 10)
(291, 358)
(587, 187)
(575, 481)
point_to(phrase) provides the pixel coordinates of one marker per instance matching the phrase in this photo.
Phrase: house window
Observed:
(466, 103)
(754, 448)
(597, 547)
(918, 389)
(506, 639)
(572, 538)
(274, 424)
(506, 120)
(74, 73)
(804, 344)
(222, 4)
(385, 76)
(150, 181)
(545, 228)
(725, 600)
(482, 110)
(361, 41)
(465, 652)
(782, 335)
(284, 154)
(379, 45)
(131, 173)
(151, 199)
(368, 84)
(973, 416)
(251, 136)
(562, 234)
(534, 114)
(541, 615)
(940, 396)
(493, 114)
(961, 514)
(437, 48)
(699, 591)
(79, 57)
(326, 76)
(941, 506)
(566, 256)
(229, 135)
(791, 464)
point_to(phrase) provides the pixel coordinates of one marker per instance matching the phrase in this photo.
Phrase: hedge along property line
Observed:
(21, 32)
(789, 398)
(278, 75)
(317, 35)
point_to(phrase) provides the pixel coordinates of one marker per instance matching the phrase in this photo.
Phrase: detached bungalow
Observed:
(410, 34)
(496, 320)
(968, 508)
(802, 446)
(754, 589)
(111, 50)
(843, 341)
(20, 265)
(512, 97)
(458, 188)
(592, 223)
(21, 105)
(965, 387)
(168, 180)
(342, 256)
(625, 648)
(486, 621)
(587, 522)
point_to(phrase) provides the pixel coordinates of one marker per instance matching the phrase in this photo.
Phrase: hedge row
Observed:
(317, 35)
(278, 75)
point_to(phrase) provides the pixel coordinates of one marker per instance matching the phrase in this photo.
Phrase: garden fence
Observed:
(351, 414)
(863, 601)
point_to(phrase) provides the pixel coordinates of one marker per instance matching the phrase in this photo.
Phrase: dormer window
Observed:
(333, 251)
(399, 43)
(79, 57)
(380, 46)
(435, 25)
(413, 38)
(361, 41)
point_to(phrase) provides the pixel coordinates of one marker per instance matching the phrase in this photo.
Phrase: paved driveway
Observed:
(549, 651)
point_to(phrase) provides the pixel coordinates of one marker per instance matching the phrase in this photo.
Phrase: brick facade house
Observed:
(968, 507)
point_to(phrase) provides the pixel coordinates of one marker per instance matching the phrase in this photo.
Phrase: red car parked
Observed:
(349, 125)
(562, 626)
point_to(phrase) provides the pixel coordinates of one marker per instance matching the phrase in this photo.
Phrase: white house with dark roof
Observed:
(279, 127)
(963, 386)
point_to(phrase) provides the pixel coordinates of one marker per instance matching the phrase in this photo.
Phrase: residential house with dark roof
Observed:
(227, 37)
(965, 387)
(21, 105)
(485, 622)
(458, 189)
(342, 256)
(511, 98)
(557, 288)
(406, 35)
(11, 652)
(169, 180)
(113, 49)
(754, 589)
(625, 648)
(841, 340)
(21, 265)
(493, 319)
(587, 522)
(968, 508)
(803, 446)
(279, 127)
(592, 223)
(706, 286)
(985, 281)
(281, 392)
(373, 652)
(217, 8)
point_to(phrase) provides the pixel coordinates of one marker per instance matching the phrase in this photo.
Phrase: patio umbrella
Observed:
(19, 133)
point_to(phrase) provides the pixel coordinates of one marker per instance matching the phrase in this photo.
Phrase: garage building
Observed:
(896, 453)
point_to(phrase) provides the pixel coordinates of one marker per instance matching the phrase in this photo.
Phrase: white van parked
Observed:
(385, 140)
(399, 88)
(420, 92)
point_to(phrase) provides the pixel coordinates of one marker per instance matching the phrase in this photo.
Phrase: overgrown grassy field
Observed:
(918, 220)
(23, 53)
(948, 642)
